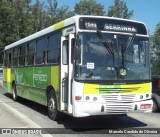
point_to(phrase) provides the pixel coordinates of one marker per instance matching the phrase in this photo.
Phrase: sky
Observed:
(147, 11)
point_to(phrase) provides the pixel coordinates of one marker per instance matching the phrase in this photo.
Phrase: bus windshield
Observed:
(104, 56)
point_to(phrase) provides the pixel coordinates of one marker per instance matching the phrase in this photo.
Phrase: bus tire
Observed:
(53, 112)
(14, 92)
(155, 106)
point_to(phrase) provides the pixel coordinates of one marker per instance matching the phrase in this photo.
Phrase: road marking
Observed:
(23, 118)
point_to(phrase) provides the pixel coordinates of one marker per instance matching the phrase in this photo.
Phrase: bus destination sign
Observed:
(117, 27)
(114, 25)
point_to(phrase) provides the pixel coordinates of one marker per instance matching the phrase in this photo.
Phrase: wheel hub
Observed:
(51, 105)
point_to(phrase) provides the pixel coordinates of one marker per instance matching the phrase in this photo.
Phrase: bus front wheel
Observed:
(53, 112)
(155, 106)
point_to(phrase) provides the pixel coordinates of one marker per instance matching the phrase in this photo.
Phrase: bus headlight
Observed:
(141, 96)
(95, 99)
(147, 95)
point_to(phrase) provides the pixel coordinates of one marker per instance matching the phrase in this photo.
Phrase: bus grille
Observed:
(118, 104)
(118, 108)
(119, 98)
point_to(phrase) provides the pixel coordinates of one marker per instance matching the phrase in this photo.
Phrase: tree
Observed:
(5, 11)
(63, 13)
(55, 14)
(155, 51)
(120, 10)
(38, 16)
(157, 34)
(89, 7)
(14, 21)
(7, 25)
(51, 11)
(22, 16)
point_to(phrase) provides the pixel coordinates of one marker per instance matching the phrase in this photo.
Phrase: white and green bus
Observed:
(83, 66)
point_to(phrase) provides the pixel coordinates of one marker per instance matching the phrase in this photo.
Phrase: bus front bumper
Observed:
(84, 109)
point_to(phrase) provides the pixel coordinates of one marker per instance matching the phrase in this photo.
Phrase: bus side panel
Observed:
(33, 81)
(8, 78)
(41, 79)
(5, 79)
(21, 75)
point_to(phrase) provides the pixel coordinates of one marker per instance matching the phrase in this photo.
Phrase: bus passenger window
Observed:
(9, 60)
(30, 53)
(15, 57)
(9, 54)
(53, 49)
(41, 44)
(22, 51)
(43, 58)
(65, 52)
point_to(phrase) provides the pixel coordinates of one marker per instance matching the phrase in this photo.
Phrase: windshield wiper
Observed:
(129, 42)
(106, 44)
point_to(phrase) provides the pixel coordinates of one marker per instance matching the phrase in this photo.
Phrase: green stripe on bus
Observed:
(9, 87)
(109, 86)
(59, 25)
(55, 77)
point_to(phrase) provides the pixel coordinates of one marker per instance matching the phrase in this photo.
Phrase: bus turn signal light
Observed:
(78, 97)
(145, 106)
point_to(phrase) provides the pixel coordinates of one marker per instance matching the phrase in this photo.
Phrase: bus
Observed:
(83, 66)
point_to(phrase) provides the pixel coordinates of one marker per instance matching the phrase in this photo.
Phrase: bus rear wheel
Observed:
(53, 112)
(14, 92)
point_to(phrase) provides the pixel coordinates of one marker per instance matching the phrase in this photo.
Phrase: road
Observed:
(26, 114)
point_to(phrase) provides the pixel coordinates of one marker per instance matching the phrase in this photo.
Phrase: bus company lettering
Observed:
(120, 27)
(40, 77)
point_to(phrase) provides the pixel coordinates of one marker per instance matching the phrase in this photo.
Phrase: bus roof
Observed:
(62, 24)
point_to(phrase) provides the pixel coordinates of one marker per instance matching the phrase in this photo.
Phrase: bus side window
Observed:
(15, 56)
(10, 60)
(77, 51)
(53, 49)
(30, 53)
(73, 48)
(5, 59)
(65, 52)
(41, 44)
(22, 51)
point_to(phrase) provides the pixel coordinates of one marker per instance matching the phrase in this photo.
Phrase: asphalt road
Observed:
(27, 114)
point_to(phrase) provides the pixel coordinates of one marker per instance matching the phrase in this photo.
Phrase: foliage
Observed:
(20, 18)
(55, 14)
(155, 51)
(157, 34)
(89, 7)
(120, 10)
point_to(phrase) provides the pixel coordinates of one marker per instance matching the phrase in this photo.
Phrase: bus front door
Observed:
(66, 74)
